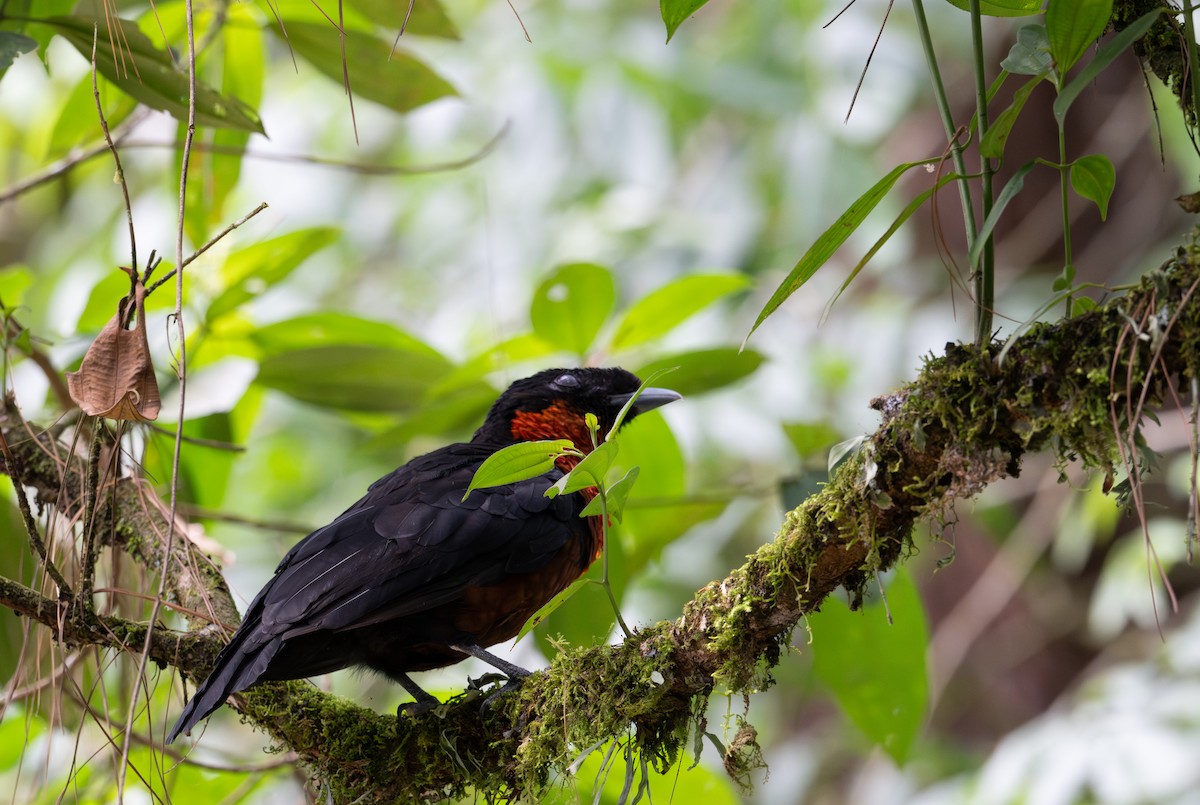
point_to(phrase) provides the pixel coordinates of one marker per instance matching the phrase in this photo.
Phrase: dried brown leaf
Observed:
(116, 379)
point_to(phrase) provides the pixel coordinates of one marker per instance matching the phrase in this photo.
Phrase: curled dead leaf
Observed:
(116, 379)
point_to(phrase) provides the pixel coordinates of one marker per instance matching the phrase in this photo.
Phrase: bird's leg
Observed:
(515, 673)
(424, 701)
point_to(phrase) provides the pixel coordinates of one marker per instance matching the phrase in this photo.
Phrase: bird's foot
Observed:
(508, 687)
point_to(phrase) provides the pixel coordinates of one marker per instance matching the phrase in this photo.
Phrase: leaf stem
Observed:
(1064, 173)
(943, 105)
(1193, 77)
(985, 275)
(604, 581)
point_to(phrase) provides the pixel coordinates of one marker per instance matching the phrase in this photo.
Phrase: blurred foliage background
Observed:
(549, 184)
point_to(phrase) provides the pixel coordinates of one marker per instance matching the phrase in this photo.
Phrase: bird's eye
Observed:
(566, 382)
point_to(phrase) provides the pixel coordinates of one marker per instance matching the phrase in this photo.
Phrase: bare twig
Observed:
(211, 242)
(117, 159)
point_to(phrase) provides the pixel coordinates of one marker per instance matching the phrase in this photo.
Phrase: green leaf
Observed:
(588, 472)
(548, 608)
(77, 122)
(13, 44)
(353, 376)
(833, 237)
(904, 215)
(1093, 177)
(428, 17)
(876, 670)
(664, 309)
(1002, 8)
(139, 69)
(1030, 54)
(1072, 26)
(657, 511)
(1000, 130)
(110, 290)
(572, 304)
(395, 80)
(702, 370)
(249, 272)
(326, 329)
(1105, 55)
(518, 462)
(674, 12)
(811, 439)
(618, 494)
(1007, 194)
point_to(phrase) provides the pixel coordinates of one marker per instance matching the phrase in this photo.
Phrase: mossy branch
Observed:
(1076, 388)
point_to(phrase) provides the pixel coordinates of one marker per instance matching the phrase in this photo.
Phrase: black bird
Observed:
(412, 577)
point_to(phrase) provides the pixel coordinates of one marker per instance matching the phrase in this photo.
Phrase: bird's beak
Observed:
(648, 400)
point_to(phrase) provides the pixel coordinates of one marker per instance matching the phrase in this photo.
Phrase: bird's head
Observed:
(553, 404)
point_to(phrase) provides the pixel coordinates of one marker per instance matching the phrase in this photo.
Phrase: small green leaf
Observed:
(833, 237)
(702, 370)
(1002, 8)
(1081, 305)
(664, 309)
(1007, 194)
(588, 472)
(13, 44)
(548, 608)
(1105, 55)
(395, 80)
(1093, 177)
(335, 329)
(674, 12)
(572, 304)
(518, 462)
(618, 494)
(875, 669)
(1000, 130)
(252, 270)
(1030, 54)
(136, 67)
(1072, 26)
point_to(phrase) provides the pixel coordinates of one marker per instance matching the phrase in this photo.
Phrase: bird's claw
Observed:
(508, 687)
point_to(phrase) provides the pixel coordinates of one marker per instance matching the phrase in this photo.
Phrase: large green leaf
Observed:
(701, 370)
(395, 80)
(657, 511)
(875, 669)
(252, 270)
(1000, 130)
(1105, 55)
(833, 237)
(572, 304)
(353, 376)
(664, 309)
(127, 58)
(1030, 54)
(340, 361)
(328, 328)
(428, 17)
(674, 12)
(13, 44)
(1072, 26)
(1002, 8)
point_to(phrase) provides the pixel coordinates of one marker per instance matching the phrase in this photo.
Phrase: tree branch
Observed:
(966, 421)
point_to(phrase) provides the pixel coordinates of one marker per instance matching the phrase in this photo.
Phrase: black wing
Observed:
(409, 545)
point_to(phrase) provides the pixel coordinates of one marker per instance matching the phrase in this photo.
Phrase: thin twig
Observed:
(212, 242)
(189, 136)
(133, 263)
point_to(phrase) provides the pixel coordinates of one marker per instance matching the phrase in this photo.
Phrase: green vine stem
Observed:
(985, 274)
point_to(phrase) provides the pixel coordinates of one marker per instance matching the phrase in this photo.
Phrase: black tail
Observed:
(238, 666)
